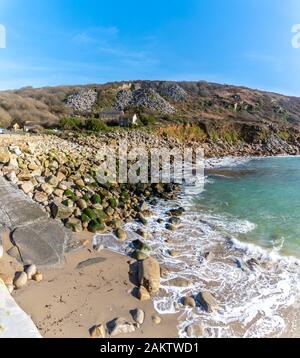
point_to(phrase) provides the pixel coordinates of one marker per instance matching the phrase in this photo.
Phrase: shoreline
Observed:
(59, 317)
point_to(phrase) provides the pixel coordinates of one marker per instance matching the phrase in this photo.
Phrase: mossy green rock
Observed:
(139, 255)
(90, 213)
(85, 218)
(113, 202)
(95, 226)
(96, 199)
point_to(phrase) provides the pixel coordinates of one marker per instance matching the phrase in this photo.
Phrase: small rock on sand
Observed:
(30, 271)
(1, 251)
(20, 279)
(120, 326)
(156, 319)
(38, 277)
(138, 315)
(98, 331)
(143, 294)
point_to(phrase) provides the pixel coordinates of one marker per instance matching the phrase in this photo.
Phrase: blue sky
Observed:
(243, 42)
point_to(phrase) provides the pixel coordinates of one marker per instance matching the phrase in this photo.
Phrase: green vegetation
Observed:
(213, 135)
(183, 133)
(283, 135)
(70, 123)
(96, 199)
(147, 119)
(95, 125)
(231, 137)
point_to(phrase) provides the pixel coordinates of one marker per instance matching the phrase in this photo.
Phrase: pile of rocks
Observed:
(61, 176)
(82, 101)
(173, 92)
(145, 98)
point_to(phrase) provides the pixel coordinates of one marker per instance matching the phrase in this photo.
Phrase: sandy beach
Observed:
(70, 300)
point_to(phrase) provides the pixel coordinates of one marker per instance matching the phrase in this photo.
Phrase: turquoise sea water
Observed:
(265, 192)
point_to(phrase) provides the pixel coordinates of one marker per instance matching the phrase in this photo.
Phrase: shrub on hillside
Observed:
(95, 125)
(69, 123)
(147, 119)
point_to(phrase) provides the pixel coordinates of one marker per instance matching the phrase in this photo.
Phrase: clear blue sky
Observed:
(246, 42)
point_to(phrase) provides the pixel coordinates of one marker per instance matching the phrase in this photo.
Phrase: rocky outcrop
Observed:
(149, 274)
(173, 92)
(145, 98)
(82, 101)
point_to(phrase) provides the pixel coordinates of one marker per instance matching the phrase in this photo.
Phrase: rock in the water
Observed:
(143, 294)
(173, 253)
(189, 301)
(139, 316)
(143, 206)
(20, 280)
(142, 233)
(176, 212)
(171, 227)
(195, 330)
(207, 301)
(209, 256)
(121, 234)
(149, 274)
(179, 282)
(120, 326)
(30, 271)
(98, 331)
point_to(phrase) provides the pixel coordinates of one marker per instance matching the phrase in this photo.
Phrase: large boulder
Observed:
(149, 274)
(207, 301)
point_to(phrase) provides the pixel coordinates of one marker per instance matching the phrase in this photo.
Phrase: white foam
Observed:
(226, 162)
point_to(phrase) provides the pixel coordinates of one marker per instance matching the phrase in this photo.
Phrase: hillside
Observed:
(218, 110)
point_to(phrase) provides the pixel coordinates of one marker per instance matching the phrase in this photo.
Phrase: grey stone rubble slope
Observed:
(39, 240)
(146, 98)
(82, 101)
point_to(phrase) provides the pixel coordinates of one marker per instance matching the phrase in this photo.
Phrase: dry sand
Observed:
(69, 301)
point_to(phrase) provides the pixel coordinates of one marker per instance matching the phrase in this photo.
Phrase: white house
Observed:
(129, 121)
